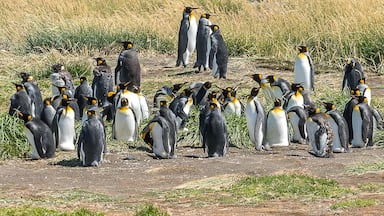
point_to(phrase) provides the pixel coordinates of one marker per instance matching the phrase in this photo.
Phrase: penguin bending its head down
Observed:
(353, 72)
(214, 131)
(187, 37)
(297, 117)
(218, 56)
(304, 70)
(39, 136)
(20, 101)
(91, 141)
(320, 133)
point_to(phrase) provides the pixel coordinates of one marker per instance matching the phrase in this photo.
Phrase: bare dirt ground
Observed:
(133, 177)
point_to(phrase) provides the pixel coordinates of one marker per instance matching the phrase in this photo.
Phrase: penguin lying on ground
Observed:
(92, 140)
(39, 136)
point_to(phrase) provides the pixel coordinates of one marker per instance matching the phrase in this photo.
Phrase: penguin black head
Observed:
(47, 101)
(100, 61)
(83, 79)
(351, 62)
(362, 99)
(257, 77)
(329, 106)
(228, 92)
(189, 9)
(206, 15)
(25, 117)
(91, 100)
(297, 87)
(163, 103)
(271, 78)
(277, 102)
(312, 109)
(18, 86)
(66, 101)
(303, 49)
(110, 96)
(91, 112)
(214, 27)
(207, 85)
(362, 81)
(57, 68)
(254, 91)
(127, 45)
(187, 92)
(26, 77)
(212, 106)
(176, 87)
(62, 89)
(124, 102)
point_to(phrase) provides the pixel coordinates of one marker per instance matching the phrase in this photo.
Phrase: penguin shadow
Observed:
(74, 162)
(189, 72)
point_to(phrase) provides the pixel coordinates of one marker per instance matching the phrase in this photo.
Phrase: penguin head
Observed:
(207, 85)
(214, 28)
(91, 100)
(127, 45)
(163, 103)
(362, 81)
(25, 77)
(57, 68)
(189, 9)
(257, 78)
(351, 62)
(254, 92)
(312, 109)
(18, 86)
(62, 89)
(212, 106)
(297, 87)
(205, 15)
(303, 49)
(176, 87)
(355, 92)
(271, 78)
(111, 96)
(187, 92)
(277, 102)
(47, 101)
(26, 117)
(228, 92)
(83, 79)
(65, 101)
(100, 61)
(91, 112)
(362, 99)
(329, 106)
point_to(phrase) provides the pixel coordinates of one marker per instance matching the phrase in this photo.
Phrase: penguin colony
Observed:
(117, 97)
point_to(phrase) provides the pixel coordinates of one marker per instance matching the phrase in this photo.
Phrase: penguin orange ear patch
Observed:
(215, 28)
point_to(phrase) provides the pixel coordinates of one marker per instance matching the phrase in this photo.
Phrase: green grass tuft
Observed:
(354, 203)
(150, 210)
(36, 211)
(13, 142)
(366, 167)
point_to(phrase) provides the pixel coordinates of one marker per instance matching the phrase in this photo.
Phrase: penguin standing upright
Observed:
(92, 141)
(203, 43)
(297, 117)
(61, 77)
(124, 125)
(365, 90)
(218, 56)
(81, 93)
(20, 101)
(304, 70)
(348, 109)
(160, 133)
(33, 92)
(48, 113)
(265, 86)
(128, 66)
(39, 136)
(187, 37)
(63, 126)
(214, 131)
(102, 82)
(339, 127)
(320, 133)
(353, 72)
(277, 133)
(255, 116)
(362, 124)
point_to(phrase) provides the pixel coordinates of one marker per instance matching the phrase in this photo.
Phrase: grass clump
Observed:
(150, 210)
(354, 203)
(37, 211)
(366, 167)
(13, 142)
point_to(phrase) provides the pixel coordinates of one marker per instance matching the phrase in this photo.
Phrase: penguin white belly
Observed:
(214, 67)
(357, 124)
(251, 116)
(294, 121)
(192, 33)
(277, 93)
(67, 134)
(144, 107)
(31, 140)
(295, 101)
(302, 72)
(124, 125)
(277, 129)
(237, 107)
(158, 143)
(336, 147)
(230, 108)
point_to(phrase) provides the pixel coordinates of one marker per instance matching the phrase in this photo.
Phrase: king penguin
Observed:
(124, 125)
(218, 55)
(102, 82)
(203, 43)
(294, 98)
(201, 94)
(339, 127)
(214, 131)
(166, 93)
(362, 124)
(353, 72)
(255, 116)
(187, 37)
(92, 141)
(61, 77)
(160, 133)
(33, 92)
(63, 126)
(48, 113)
(81, 92)
(348, 109)
(297, 117)
(39, 136)
(231, 104)
(265, 86)
(304, 70)
(20, 101)
(277, 133)
(128, 66)
(320, 133)
(365, 90)
(280, 87)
